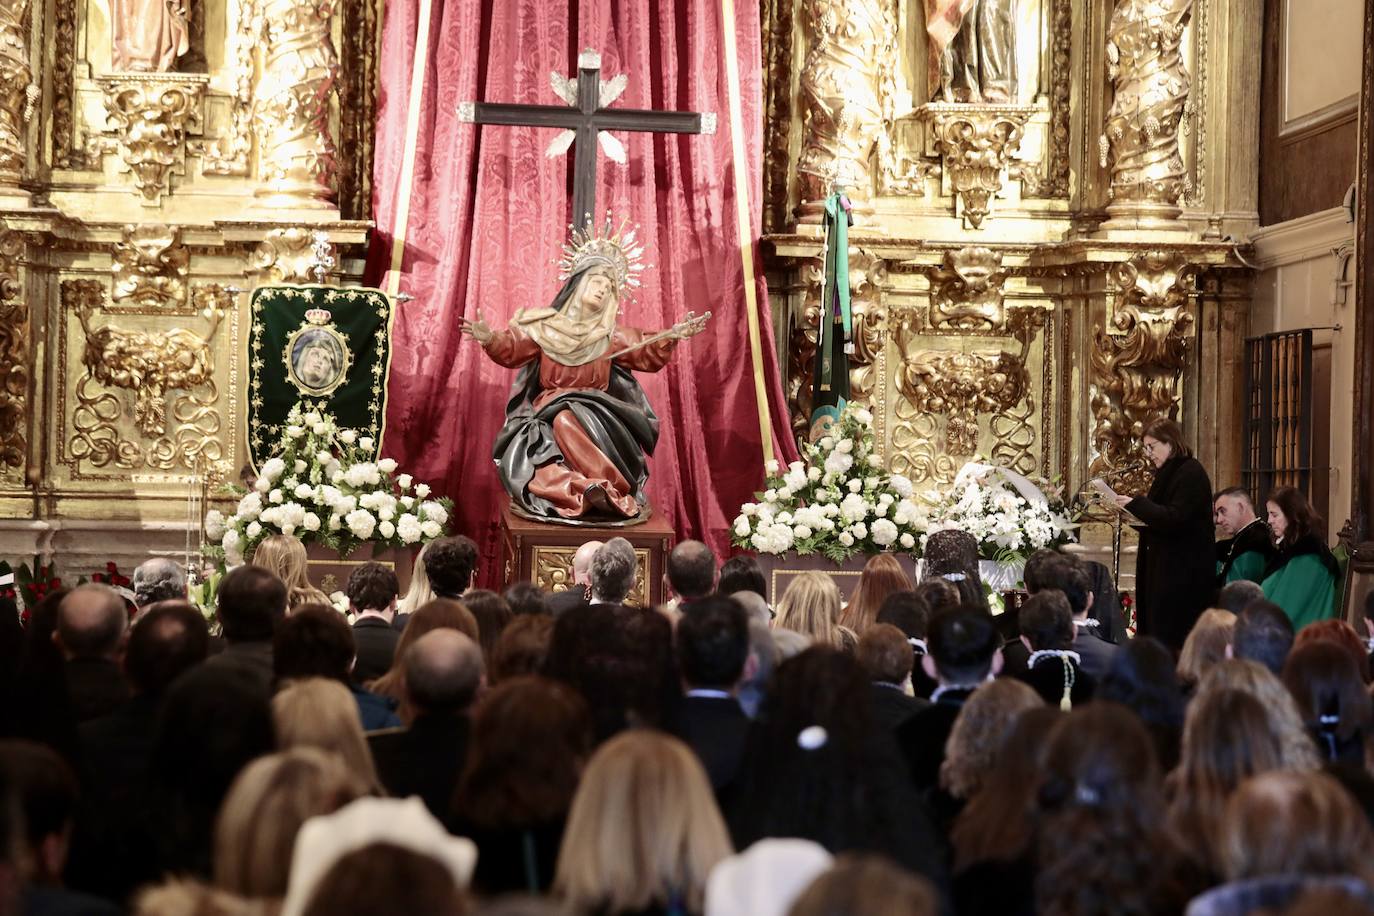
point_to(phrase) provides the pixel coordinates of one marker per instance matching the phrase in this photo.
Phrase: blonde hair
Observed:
(643, 827)
(269, 801)
(320, 713)
(420, 592)
(882, 576)
(1285, 722)
(1206, 644)
(983, 723)
(283, 555)
(811, 607)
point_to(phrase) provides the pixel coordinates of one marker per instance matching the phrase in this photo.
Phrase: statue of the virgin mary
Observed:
(578, 426)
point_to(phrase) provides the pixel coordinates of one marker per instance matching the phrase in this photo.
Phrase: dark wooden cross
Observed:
(585, 119)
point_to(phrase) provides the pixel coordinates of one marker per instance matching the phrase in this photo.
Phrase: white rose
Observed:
(907, 541)
(311, 522)
(407, 502)
(253, 530)
(348, 437)
(846, 539)
(770, 496)
(313, 417)
(845, 445)
(748, 510)
(855, 486)
(361, 523)
(335, 522)
(387, 465)
(214, 524)
(322, 458)
(863, 416)
(741, 527)
(404, 481)
(294, 431)
(802, 532)
(262, 485)
(826, 443)
(319, 429)
(813, 473)
(874, 461)
(305, 491)
(422, 490)
(387, 529)
(431, 529)
(366, 443)
(900, 484)
(274, 497)
(859, 531)
(771, 468)
(298, 467)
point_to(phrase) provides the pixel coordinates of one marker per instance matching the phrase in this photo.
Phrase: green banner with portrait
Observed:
(326, 347)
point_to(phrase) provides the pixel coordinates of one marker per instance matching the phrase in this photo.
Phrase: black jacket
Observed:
(96, 686)
(374, 642)
(426, 759)
(891, 706)
(1253, 538)
(716, 729)
(1176, 568)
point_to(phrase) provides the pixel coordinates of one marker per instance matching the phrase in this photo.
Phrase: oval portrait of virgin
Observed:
(317, 360)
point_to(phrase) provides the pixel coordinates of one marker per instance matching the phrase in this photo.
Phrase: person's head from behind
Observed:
(322, 714)
(1037, 574)
(963, 647)
(283, 555)
(713, 644)
(439, 614)
(755, 608)
(822, 686)
(978, 732)
(166, 640)
(1142, 678)
(742, 574)
(1206, 644)
(1343, 635)
(1291, 516)
(250, 602)
(46, 789)
(91, 621)
(158, 579)
(450, 565)
(1238, 595)
(443, 670)
(882, 576)
(386, 878)
(937, 593)
(1226, 740)
(1264, 634)
(1233, 510)
(522, 648)
(863, 883)
(885, 654)
(314, 641)
(908, 612)
(266, 806)
(1285, 719)
(613, 571)
(582, 563)
(1326, 684)
(644, 829)
(504, 784)
(692, 570)
(526, 599)
(1046, 622)
(492, 614)
(811, 607)
(1067, 574)
(373, 586)
(1300, 824)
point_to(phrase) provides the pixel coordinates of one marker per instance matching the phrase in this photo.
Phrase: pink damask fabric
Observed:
(488, 216)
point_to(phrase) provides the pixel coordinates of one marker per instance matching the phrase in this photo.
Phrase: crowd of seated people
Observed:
(460, 751)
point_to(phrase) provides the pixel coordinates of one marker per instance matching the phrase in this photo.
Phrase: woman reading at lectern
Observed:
(578, 426)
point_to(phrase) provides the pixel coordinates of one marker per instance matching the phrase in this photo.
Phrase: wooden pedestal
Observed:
(542, 553)
(329, 572)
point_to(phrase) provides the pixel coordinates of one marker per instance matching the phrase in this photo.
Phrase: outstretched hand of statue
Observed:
(690, 326)
(477, 329)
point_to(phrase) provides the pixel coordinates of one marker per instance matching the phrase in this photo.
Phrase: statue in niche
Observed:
(149, 35)
(972, 50)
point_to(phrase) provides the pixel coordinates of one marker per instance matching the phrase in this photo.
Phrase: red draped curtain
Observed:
(489, 214)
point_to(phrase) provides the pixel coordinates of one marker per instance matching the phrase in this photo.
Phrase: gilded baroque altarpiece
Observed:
(138, 210)
(1036, 271)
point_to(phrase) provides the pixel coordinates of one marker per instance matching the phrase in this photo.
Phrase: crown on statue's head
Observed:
(614, 248)
(318, 316)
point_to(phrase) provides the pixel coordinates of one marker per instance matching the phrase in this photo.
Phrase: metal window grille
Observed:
(1278, 413)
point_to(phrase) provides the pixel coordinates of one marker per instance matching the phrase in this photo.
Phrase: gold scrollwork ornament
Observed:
(976, 143)
(966, 290)
(150, 114)
(149, 266)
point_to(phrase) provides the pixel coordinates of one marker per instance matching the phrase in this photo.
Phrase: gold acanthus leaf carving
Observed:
(150, 114)
(1138, 363)
(150, 265)
(295, 255)
(15, 341)
(966, 290)
(148, 363)
(976, 143)
(18, 94)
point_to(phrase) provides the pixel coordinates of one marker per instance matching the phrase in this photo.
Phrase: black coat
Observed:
(375, 642)
(425, 760)
(891, 706)
(1176, 569)
(716, 729)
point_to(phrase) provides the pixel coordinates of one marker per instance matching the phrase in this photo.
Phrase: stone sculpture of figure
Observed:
(578, 426)
(149, 35)
(972, 50)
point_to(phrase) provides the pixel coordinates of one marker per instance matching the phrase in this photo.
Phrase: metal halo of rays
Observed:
(617, 246)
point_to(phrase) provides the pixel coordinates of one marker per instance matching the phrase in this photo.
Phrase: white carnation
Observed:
(335, 522)
(748, 510)
(387, 529)
(433, 512)
(311, 522)
(863, 416)
(826, 443)
(845, 446)
(846, 539)
(813, 473)
(249, 506)
(802, 532)
(838, 463)
(361, 522)
(305, 491)
(214, 524)
(233, 547)
(274, 497)
(272, 469)
(884, 532)
(855, 485)
(901, 485)
(408, 527)
(431, 529)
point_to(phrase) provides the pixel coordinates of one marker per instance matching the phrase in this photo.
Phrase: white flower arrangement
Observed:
(837, 501)
(1009, 514)
(323, 487)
